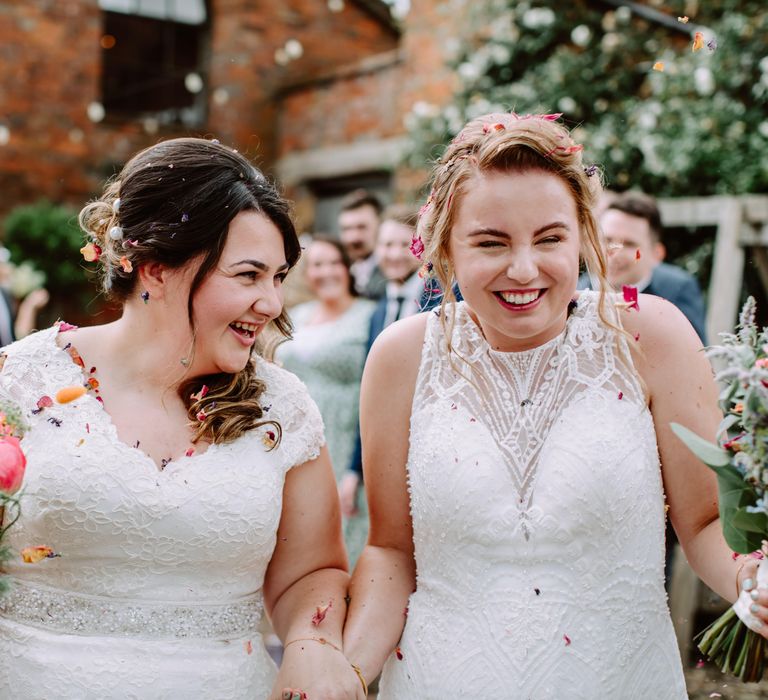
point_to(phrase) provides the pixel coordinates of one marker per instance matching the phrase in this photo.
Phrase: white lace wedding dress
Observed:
(538, 518)
(157, 592)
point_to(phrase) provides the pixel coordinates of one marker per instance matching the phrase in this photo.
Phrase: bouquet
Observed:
(740, 460)
(12, 465)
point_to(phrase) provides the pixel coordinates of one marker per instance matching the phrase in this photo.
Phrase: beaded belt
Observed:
(75, 613)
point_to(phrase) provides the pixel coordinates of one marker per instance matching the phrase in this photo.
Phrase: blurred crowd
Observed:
(22, 295)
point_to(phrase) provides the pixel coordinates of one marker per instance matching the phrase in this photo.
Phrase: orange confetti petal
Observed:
(698, 41)
(659, 66)
(126, 264)
(90, 252)
(70, 393)
(32, 555)
(637, 254)
(249, 647)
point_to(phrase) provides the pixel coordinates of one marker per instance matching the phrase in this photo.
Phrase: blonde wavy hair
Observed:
(509, 143)
(173, 203)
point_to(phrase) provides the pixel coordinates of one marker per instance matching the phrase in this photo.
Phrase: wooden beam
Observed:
(727, 271)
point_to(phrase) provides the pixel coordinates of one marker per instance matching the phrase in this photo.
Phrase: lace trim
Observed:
(66, 612)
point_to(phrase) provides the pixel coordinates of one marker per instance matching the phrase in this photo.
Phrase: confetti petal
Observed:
(64, 326)
(200, 394)
(90, 252)
(126, 264)
(682, 20)
(320, 614)
(630, 297)
(698, 41)
(44, 402)
(567, 640)
(32, 555)
(659, 66)
(70, 393)
(398, 653)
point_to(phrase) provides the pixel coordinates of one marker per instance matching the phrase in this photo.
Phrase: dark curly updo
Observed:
(172, 204)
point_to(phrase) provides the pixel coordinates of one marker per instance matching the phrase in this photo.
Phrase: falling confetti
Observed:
(630, 297)
(32, 555)
(70, 393)
(659, 66)
(637, 254)
(269, 439)
(320, 614)
(90, 252)
(200, 394)
(698, 41)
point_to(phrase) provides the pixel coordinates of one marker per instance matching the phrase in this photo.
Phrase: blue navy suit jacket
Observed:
(679, 287)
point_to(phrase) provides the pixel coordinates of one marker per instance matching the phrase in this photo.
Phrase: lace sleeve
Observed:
(297, 413)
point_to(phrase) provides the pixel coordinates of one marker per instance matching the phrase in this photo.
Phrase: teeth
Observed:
(513, 298)
(245, 326)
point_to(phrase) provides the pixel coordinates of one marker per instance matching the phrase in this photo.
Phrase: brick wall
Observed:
(50, 63)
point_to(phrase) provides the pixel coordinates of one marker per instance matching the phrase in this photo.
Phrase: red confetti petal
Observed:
(637, 254)
(398, 653)
(64, 326)
(621, 395)
(320, 614)
(567, 640)
(630, 296)
(190, 452)
(44, 402)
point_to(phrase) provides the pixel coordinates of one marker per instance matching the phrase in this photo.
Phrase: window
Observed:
(153, 59)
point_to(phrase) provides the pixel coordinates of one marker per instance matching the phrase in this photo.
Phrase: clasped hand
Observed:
(316, 671)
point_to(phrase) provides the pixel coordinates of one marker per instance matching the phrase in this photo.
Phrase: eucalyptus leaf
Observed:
(710, 454)
(752, 522)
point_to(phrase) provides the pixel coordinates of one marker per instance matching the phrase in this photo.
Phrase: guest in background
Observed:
(631, 225)
(18, 309)
(358, 225)
(328, 353)
(404, 295)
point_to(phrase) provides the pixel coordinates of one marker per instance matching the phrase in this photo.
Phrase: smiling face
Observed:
(515, 250)
(393, 251)
(327, 276)
(240, 296)
(633, 251)
(357, 230)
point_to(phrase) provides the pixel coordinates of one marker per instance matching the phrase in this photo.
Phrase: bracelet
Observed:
(319, 640)
(359, 673)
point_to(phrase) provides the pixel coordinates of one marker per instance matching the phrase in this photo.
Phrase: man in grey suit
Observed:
(631, 224)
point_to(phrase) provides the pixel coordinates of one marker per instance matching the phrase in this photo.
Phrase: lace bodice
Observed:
(538, 518)
(141, 548)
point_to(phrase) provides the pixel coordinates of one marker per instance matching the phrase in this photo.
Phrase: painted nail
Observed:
(754, 607)
(754, 594)
(748, 584)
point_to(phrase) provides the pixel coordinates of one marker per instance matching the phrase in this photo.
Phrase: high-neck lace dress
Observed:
(538, 523)
(157, 592)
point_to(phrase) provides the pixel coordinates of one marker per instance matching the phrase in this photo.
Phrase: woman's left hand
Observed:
(748, 582)
(315, 671)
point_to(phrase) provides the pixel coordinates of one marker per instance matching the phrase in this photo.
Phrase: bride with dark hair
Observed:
(187, 486)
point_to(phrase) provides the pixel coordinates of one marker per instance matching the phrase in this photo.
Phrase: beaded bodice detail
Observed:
(174, 557)
(538, 521)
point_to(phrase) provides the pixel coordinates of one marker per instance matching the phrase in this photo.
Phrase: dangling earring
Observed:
(145, 296)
